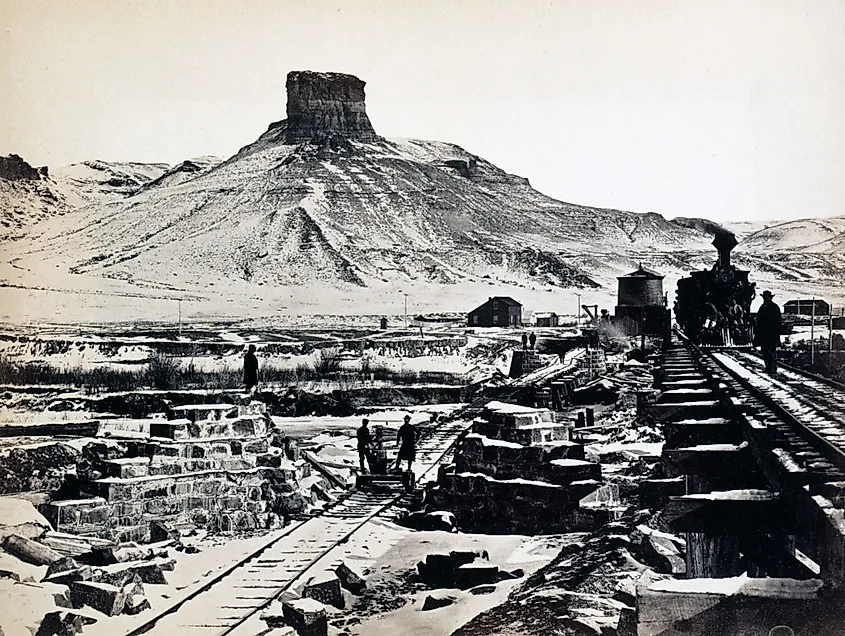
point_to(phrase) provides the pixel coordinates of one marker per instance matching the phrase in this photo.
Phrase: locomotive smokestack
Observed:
(724, 242)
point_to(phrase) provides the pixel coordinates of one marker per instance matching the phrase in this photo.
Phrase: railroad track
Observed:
(235, 598)
(809, 406)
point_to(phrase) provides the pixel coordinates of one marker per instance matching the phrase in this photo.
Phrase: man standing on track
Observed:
(250, 370)
(767, 332)
(407, 439)
(364, 443)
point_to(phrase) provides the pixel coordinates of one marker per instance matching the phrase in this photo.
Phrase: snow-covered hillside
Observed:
(321, 215)
(808, 235)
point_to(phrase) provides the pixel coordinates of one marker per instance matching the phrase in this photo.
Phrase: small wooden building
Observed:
(804, 307)
(498, 311)
(546, 319)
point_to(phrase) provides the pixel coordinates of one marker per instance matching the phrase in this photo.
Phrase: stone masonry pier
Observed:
(517, 471)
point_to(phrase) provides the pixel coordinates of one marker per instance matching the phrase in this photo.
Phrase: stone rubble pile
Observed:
(305, 610)
(102, 578)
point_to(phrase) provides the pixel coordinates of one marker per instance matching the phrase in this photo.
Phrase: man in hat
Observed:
(767, 331)
(250, 369)
(407, 440)
(364, 446)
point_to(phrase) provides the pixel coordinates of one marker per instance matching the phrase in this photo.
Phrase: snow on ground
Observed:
(392, 552)
(802, 333)
(192, 571)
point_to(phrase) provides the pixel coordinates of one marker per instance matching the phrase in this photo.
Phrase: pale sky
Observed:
(731, 110)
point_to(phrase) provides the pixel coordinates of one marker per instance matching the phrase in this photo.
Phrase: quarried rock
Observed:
(441, 570)
(505, 575)
(135, 604)
(351, 577)
(151, 572)
(63, 623)
(436, 601)
(162, 531)
(66, 570)
(307, 616)
(125, 553)
(65, 564)
(325, 588)
(102, 597)
(30, 551)
(19, 517)
(437, 520)
(663, 555)
(473, 574)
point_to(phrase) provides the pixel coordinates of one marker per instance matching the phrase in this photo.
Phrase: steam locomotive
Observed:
(713, 307)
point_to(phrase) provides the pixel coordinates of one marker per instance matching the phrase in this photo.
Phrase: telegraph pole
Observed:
(813, 334)
(830, 331)
(578, 311)
(180, 317)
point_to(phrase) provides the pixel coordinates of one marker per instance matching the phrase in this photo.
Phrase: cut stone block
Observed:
(663, 555)
(66, 570)
(735, 606)
(325, 588)
(66, 514)
(30, 551)
(126, 467)
(654, 494)
(307, 616)
(436, 601)
(162, 531)
(125, 553)
(151, 572)
(473, 574)
(351, 577)
(19, 517)
(102, 597)
(565, 471)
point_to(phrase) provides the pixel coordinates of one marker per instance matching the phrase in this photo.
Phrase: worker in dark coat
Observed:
(407, 440)
(364, 443)
(250, 369)
(524, 341)
(532, 339)
(767, 331)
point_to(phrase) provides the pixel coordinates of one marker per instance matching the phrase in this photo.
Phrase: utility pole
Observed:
(830, 330)
(813, 334)
(578, 311)
(406, 310)
(180, 317)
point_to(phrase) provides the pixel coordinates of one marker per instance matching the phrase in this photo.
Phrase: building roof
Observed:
(643, 272)
(544, 314)
(507, 300)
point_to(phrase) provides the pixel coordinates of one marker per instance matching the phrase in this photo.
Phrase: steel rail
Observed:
(375, 499)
